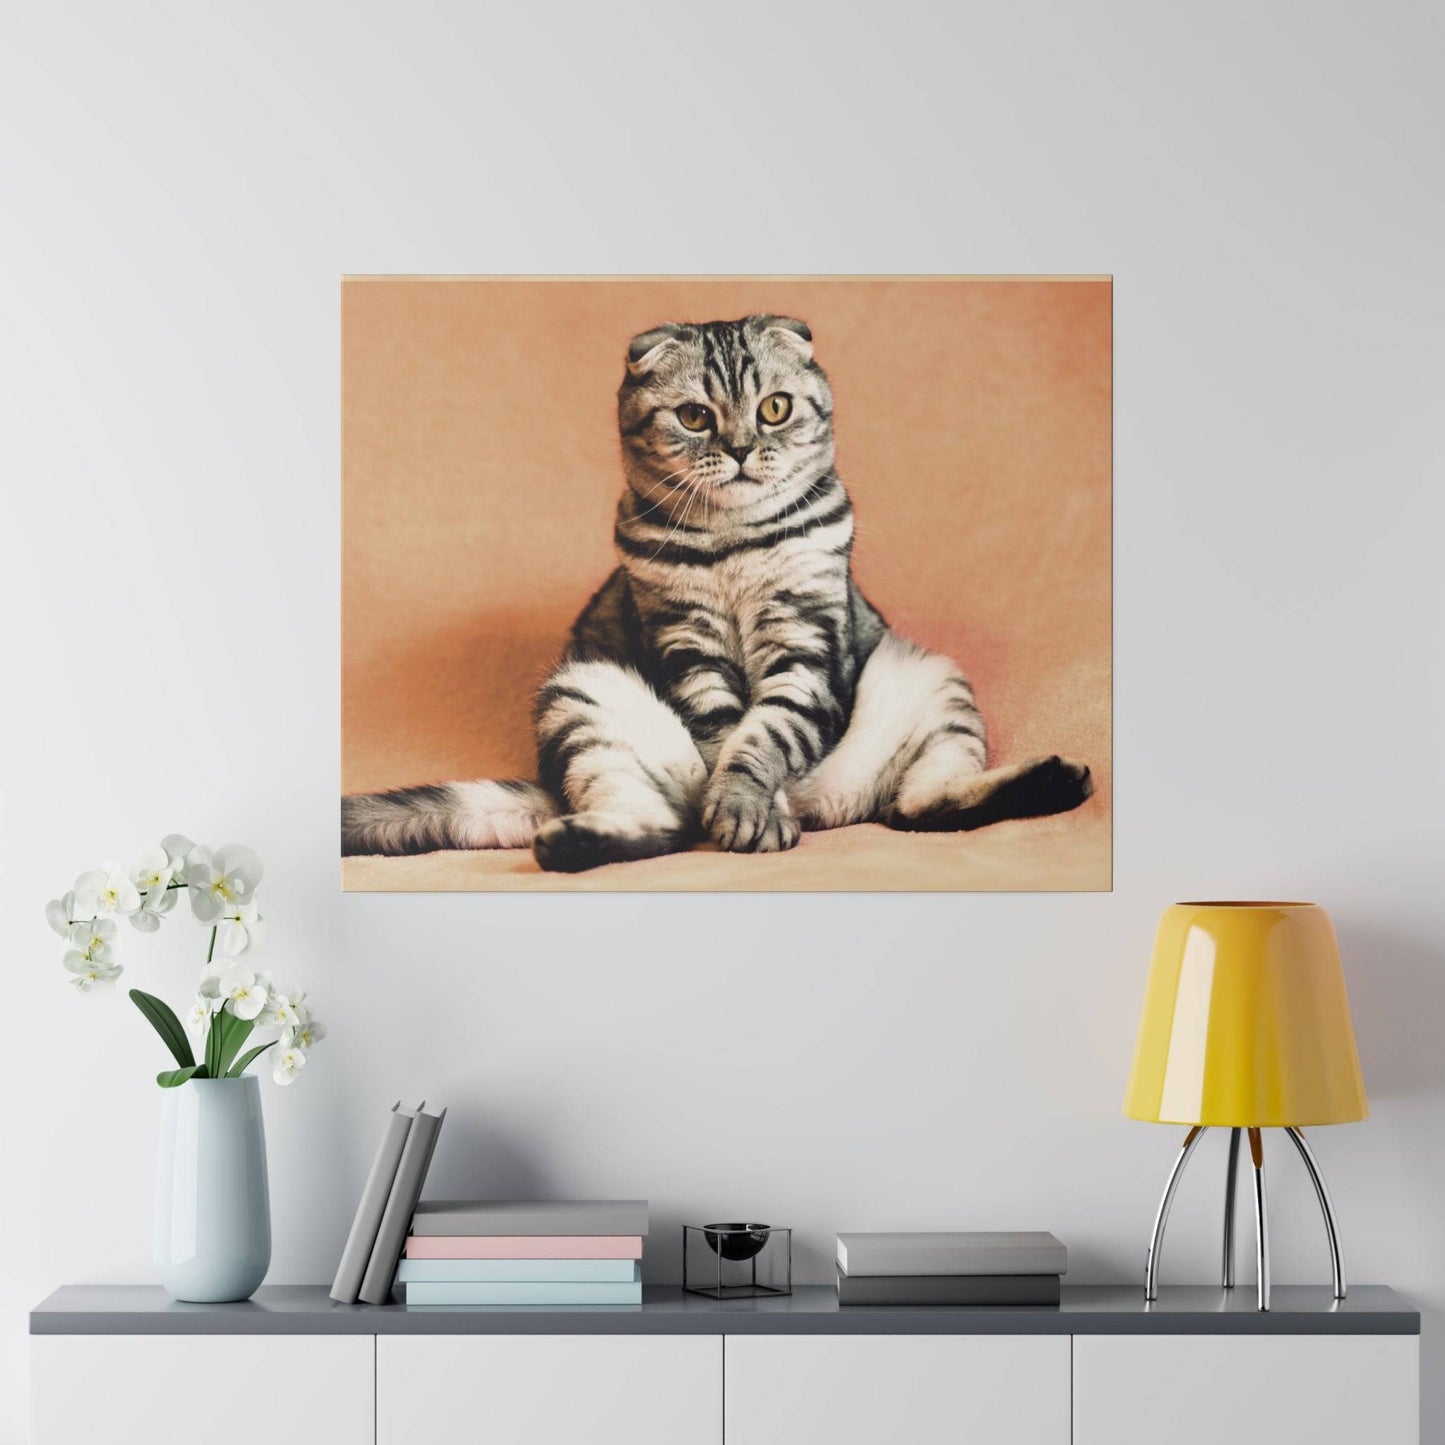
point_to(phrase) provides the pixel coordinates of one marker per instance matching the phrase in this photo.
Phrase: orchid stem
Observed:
(210, 952)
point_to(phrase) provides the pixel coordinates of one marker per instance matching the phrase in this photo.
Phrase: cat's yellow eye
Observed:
(694, 417)
(775, 408)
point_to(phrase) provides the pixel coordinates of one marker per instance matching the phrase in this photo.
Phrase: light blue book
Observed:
(560, 1292)
(519, 1271)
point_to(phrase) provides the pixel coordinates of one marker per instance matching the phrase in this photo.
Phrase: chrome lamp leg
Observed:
(1151, 1262)
(1231, 1181)
(1261, 1218)
(1332, 1228)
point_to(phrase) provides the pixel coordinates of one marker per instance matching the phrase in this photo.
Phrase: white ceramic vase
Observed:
(213, 1209)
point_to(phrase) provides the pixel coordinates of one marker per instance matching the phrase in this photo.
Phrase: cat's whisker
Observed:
(661, 482)
(677, 523)
(795, 508)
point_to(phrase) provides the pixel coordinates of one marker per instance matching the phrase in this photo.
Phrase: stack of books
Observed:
(555, 1252)
(950, 1269)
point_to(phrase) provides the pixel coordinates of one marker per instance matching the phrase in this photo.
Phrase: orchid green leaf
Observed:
(163, 1019)
(234, 1032)
(249, 1058)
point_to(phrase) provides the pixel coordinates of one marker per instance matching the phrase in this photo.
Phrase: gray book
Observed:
(960, 1252)
(531, 1217)
(948, 1289)
(374, 1193)
(421, 1142)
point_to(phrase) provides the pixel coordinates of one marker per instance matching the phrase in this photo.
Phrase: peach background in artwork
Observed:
(481, 470)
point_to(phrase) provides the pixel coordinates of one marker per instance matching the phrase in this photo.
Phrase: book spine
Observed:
(519, 1271)
(405, 1191)
(523, 1246)
(534, 1293)
(881, 1259)
(549, 1219)
(958, 1290)
(356, 1254)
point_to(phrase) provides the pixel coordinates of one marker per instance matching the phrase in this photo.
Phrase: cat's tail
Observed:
(480, 814)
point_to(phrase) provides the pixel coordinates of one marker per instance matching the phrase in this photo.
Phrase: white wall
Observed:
(181, 193)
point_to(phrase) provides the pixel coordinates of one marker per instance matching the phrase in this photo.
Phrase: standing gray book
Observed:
(421, 1142)
(531, 1217)
(374, 1194)
(960, 1252)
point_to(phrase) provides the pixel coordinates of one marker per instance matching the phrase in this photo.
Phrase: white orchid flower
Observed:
(210, 985)
(60, 913)
(153, 869)
(178, 852)
(198, 1020)
(88, 973)
(287, 1064)
(94, 938)
(278, 1012)
(105, 890)
(152, 876)
(244, 993)
(304, 1035)
(242, 928)
(154, 906)
(287, 1011)
(216, 884)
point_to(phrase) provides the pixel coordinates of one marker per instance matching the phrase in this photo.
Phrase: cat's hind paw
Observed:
(1035, 789)
(580, 841)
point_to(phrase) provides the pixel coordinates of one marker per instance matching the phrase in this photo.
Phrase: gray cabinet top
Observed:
(812, 1310)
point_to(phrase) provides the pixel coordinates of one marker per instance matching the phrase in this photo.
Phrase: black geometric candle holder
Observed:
(737, 1261)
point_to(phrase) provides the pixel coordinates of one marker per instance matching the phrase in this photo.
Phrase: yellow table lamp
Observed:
(1246, 1026)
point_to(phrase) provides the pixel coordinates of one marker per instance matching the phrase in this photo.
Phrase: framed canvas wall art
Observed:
(727, 584)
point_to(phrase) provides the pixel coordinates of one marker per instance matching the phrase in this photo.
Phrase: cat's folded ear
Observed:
(788, 331)
(647, 348)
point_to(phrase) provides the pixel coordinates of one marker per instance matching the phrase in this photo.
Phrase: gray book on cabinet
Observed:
(356, 1254)
(531, 1217)
(949, 1289)
(406, 1190)
(957, 1252)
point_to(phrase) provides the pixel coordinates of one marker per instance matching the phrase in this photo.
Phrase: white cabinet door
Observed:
(897, 1390)
(548, 1390)
(220, 1389)
(1246, 1389)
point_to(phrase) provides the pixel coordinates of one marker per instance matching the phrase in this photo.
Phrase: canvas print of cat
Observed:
(729, 688)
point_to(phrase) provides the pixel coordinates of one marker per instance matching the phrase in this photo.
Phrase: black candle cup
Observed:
(736, 1241)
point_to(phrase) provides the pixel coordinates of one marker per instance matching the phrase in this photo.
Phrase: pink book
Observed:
(524, 1246)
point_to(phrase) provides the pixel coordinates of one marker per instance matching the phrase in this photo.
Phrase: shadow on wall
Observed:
(477, 1160)
(1397, 998)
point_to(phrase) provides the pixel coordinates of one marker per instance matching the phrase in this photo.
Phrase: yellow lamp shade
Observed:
(1246, 1022)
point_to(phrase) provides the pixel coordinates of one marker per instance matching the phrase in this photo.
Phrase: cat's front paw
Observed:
(741, 817)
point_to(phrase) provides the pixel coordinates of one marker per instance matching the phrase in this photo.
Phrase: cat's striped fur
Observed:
(729, 679)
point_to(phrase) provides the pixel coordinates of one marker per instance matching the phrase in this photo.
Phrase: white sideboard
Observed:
(1197, 1367)
(923, 1389)
(601, 1389)
(223, 1389)
(1201, 1390)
